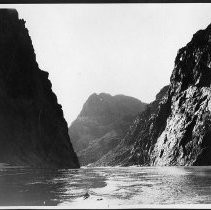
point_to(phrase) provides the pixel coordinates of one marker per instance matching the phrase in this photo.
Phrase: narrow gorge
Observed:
(174, 129)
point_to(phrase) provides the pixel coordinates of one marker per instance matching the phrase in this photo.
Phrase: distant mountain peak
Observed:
(106, 104)
(102, 121)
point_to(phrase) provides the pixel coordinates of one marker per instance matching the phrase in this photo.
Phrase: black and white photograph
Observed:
(105, 105)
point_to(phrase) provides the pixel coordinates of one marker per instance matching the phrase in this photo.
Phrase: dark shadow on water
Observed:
(39, 187)
(31, 187)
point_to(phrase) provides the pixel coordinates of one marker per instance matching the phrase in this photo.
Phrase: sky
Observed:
(113, 48)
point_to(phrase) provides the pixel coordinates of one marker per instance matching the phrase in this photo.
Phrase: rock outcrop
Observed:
(176, 128)
(33, 131)
(101, 124)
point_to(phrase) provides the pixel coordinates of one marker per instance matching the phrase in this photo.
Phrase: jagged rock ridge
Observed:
(102, 123)
(179, 132)
(33, 131)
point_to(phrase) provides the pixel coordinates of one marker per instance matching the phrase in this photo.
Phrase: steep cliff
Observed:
(186, 138)
(101, 124)
(33, 131)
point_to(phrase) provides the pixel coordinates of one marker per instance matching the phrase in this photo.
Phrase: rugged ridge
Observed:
(33, 131)
(176, 128)
(101, 124)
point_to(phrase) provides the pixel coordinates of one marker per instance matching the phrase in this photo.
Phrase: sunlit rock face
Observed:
(33, 131)
(175, 129)
(101, 124)
(186, 139)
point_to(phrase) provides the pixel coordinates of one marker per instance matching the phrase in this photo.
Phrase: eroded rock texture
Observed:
(33, 131)
(186, 139)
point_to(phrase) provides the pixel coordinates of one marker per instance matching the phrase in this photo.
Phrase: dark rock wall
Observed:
(33, 130)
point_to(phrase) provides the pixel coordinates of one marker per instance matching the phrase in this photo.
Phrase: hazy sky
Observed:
(114, 48)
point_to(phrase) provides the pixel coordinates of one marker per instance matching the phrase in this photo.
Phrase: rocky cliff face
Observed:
(101, 124)
(186, 138)
(33, 131)
(177, 130)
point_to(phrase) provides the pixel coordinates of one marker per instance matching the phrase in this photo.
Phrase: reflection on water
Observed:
(105, 187)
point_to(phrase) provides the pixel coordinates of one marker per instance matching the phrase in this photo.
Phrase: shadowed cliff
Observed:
(33, 131)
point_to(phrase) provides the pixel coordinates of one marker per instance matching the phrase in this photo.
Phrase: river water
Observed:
(106, 187)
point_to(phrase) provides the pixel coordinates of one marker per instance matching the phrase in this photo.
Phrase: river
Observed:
(105, 187)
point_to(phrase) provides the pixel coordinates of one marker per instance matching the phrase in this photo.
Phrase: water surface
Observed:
(105, 187)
